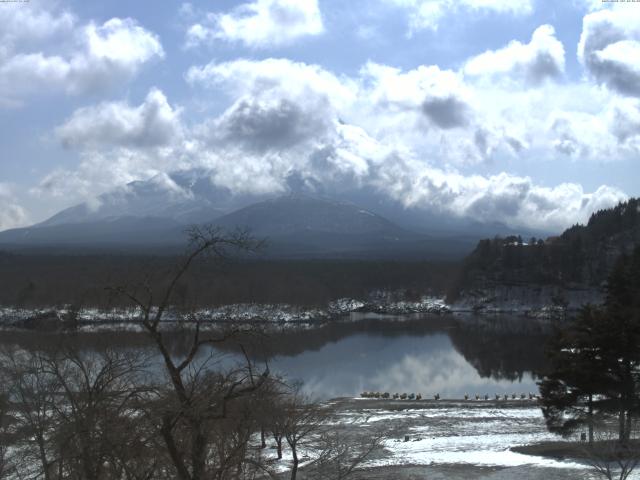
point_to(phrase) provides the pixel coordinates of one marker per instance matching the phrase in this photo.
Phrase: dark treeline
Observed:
(583, 255)
(39, 280)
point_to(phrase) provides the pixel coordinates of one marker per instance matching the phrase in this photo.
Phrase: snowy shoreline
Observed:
(535, 303)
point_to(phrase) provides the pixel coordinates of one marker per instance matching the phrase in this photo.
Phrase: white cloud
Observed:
(402, 134)
(441, 107)
(257, 146)
(265, 125)
(31, 23)
(624, 121)
(154, 123)
(12, 215)
(87, 59)
(532, 63)
(260, 24)
(274, 76)
(428, 14)
(609, 48)
(118, 143)
(103, 170)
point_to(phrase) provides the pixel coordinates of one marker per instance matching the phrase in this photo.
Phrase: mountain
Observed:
(294, 226)
(185, 197)
(155, 213)
(302, 214)
(568, 269)
(299, 225)
(121, 233)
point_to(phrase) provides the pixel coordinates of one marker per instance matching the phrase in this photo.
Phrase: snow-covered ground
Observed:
(92, 319)
(473, 434)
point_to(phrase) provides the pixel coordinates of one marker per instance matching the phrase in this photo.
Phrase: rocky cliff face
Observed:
(556, 274)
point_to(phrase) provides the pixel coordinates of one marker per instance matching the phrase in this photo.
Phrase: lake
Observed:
(414, 353)
(450, 355)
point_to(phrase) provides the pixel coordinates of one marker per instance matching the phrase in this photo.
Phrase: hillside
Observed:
(514, 273)
(295, 226)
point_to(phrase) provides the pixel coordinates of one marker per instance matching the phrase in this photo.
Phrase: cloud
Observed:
(260, 24)
(274, 77)
(606, 135)
(403, 135)
(154, 123)
(624, 121)
(446, 112)
(428, 14)
(103, 170)
(12, 215)
(609, 48)
(261, 147)
(541, 59)
(507, 198)
(264, 125)
(118, 143)
(86, 59)
(31, 23)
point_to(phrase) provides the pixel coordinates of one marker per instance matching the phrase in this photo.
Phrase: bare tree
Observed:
(74, 414)
(33, 396)
(197, 396)
(277, 426)
(302, 419)
(5, 435)
(342, 453)
(96, 392)
(611, 458)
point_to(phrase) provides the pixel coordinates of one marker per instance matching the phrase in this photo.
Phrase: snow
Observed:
(91, 318)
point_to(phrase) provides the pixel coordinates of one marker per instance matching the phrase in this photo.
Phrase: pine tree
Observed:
(595, 361)
(570, 393)
(621, 338)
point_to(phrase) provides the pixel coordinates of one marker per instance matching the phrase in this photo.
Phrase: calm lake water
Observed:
(415, 354)
(448, 355)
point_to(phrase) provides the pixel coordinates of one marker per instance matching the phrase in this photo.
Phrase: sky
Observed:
(525, 112)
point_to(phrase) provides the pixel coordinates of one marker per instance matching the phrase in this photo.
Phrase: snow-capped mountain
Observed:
(184, 197)
(156, 213)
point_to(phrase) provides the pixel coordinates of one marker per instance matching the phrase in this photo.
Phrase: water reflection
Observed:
(448, 355)
(428, 363)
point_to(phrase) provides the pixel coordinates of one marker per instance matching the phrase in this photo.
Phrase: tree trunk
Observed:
(198, 451)
(174, 453)
(279, 445)
(590, 419)
(262, 438)
(294, 468)
(627, 433)
(43, 457)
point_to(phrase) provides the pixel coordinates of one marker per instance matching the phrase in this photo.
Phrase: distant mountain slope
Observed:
(300, 214)
(184, 197)
(304, 226)
(119, 232)
(579, 260)
(359, 223)
(294, 226)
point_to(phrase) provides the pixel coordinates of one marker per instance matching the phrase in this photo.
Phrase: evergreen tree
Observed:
(595, 361)
(570, 392)
(621, 339)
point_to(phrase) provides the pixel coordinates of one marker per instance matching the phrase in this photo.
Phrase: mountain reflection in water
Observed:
(449, 355)
(414, 354)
